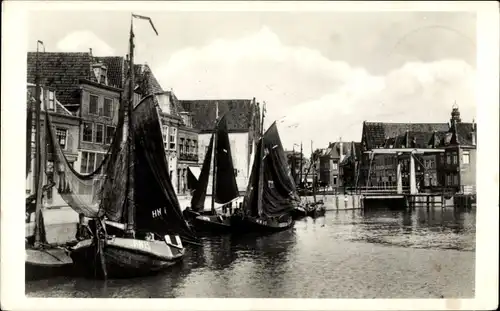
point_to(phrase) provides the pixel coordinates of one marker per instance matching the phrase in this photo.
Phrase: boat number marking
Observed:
(143, 245)
(156, 212)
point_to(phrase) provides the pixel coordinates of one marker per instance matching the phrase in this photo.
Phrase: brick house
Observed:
(457, 166)
(87, 88)
(330, 171)
(66, 126)
(243, 121)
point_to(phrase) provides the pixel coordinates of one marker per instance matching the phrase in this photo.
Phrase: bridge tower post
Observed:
(413, 179)
(399, 178)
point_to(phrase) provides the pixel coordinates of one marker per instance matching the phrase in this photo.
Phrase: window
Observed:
(455, 158)
(335, 166)
(165, 134)
(90, 161)
(193, 146)
(448, 159)
(87, 131)
(188, 146)
(181, 146)
(466, 157)
(52, 99)
(108, 107)
(61, 137)
(455, 179)
(93, 104)
(99, 133)
(173, 134)
(334, 181)
(110, 133)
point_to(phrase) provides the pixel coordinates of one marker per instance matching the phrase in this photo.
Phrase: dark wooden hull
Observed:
(317, 210)
(46, 262)
(299, 213)
(252, 224)
(214, 224)
(126, 257)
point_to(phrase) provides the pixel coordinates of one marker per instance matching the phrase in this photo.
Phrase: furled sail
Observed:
(200, 192)
(156, 204)
(226, 188)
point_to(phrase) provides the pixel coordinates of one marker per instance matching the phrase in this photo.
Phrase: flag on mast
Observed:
(146, 18)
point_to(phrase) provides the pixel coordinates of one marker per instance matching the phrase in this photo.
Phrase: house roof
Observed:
(145, 80)
(375, 134)
(464, 132)
(240, 113)
(116, 69)
(63, 71)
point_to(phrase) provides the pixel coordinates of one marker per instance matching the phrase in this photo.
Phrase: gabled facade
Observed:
(330, 171)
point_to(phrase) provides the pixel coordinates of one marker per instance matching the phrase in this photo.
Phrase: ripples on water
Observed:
(346, 254)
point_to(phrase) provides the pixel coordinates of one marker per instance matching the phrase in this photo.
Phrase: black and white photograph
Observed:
(251, 150)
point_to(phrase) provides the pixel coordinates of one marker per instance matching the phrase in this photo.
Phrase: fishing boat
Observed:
(136, 223)
(224, 188)
(271, 194)
(42, 258)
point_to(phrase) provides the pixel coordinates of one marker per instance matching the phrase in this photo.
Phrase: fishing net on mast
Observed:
(83, 192)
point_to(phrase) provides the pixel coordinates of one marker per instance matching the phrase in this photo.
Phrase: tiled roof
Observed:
(116, 69)
(145, 80)
(464, 133)
(62, 72)
(239, 113)
(376, 133)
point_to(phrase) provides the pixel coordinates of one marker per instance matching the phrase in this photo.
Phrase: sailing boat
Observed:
(224, 187)
(137, 199)
(41, 258)
(271, 194)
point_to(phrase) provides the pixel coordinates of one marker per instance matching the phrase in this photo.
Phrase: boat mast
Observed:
(215, 155)
(313, 165)
(301, 160)
(131, 157)
(261, 166)
(38, 151)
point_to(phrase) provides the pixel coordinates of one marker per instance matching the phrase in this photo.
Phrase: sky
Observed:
(321, 74)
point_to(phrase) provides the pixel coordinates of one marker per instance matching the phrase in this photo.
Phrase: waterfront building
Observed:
(453, 170)
(66, 126)
(330, 170)
(457, 166)
(87, 90)
(243, 121)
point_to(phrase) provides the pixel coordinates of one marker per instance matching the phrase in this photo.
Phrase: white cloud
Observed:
(82, 41)
(328, 98)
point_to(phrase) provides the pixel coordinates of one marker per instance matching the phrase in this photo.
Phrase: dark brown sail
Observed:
(156, 204)
(226, 188)
(251, 199)
(200, 192)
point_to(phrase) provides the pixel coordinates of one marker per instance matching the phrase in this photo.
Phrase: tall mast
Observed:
(131, 147)
(301, 160)
(313, 164)
(215, 155)
(261, 166)
(38, 152)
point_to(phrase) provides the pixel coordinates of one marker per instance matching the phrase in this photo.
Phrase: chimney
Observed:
(341, 149)
(90, 52)
(473, 134)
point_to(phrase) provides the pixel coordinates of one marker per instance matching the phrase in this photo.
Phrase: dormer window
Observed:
(101, 73)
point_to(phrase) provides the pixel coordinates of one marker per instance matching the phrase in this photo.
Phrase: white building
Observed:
(243, 120)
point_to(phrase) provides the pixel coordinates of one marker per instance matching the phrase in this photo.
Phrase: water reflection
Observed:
(346, 254)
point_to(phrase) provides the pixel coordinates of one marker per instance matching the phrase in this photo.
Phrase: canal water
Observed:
(346, 254)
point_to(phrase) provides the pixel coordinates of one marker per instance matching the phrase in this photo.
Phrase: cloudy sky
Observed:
(320, 73)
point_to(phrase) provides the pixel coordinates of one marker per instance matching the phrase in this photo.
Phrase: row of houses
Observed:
(348, 164)
(83, 94)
